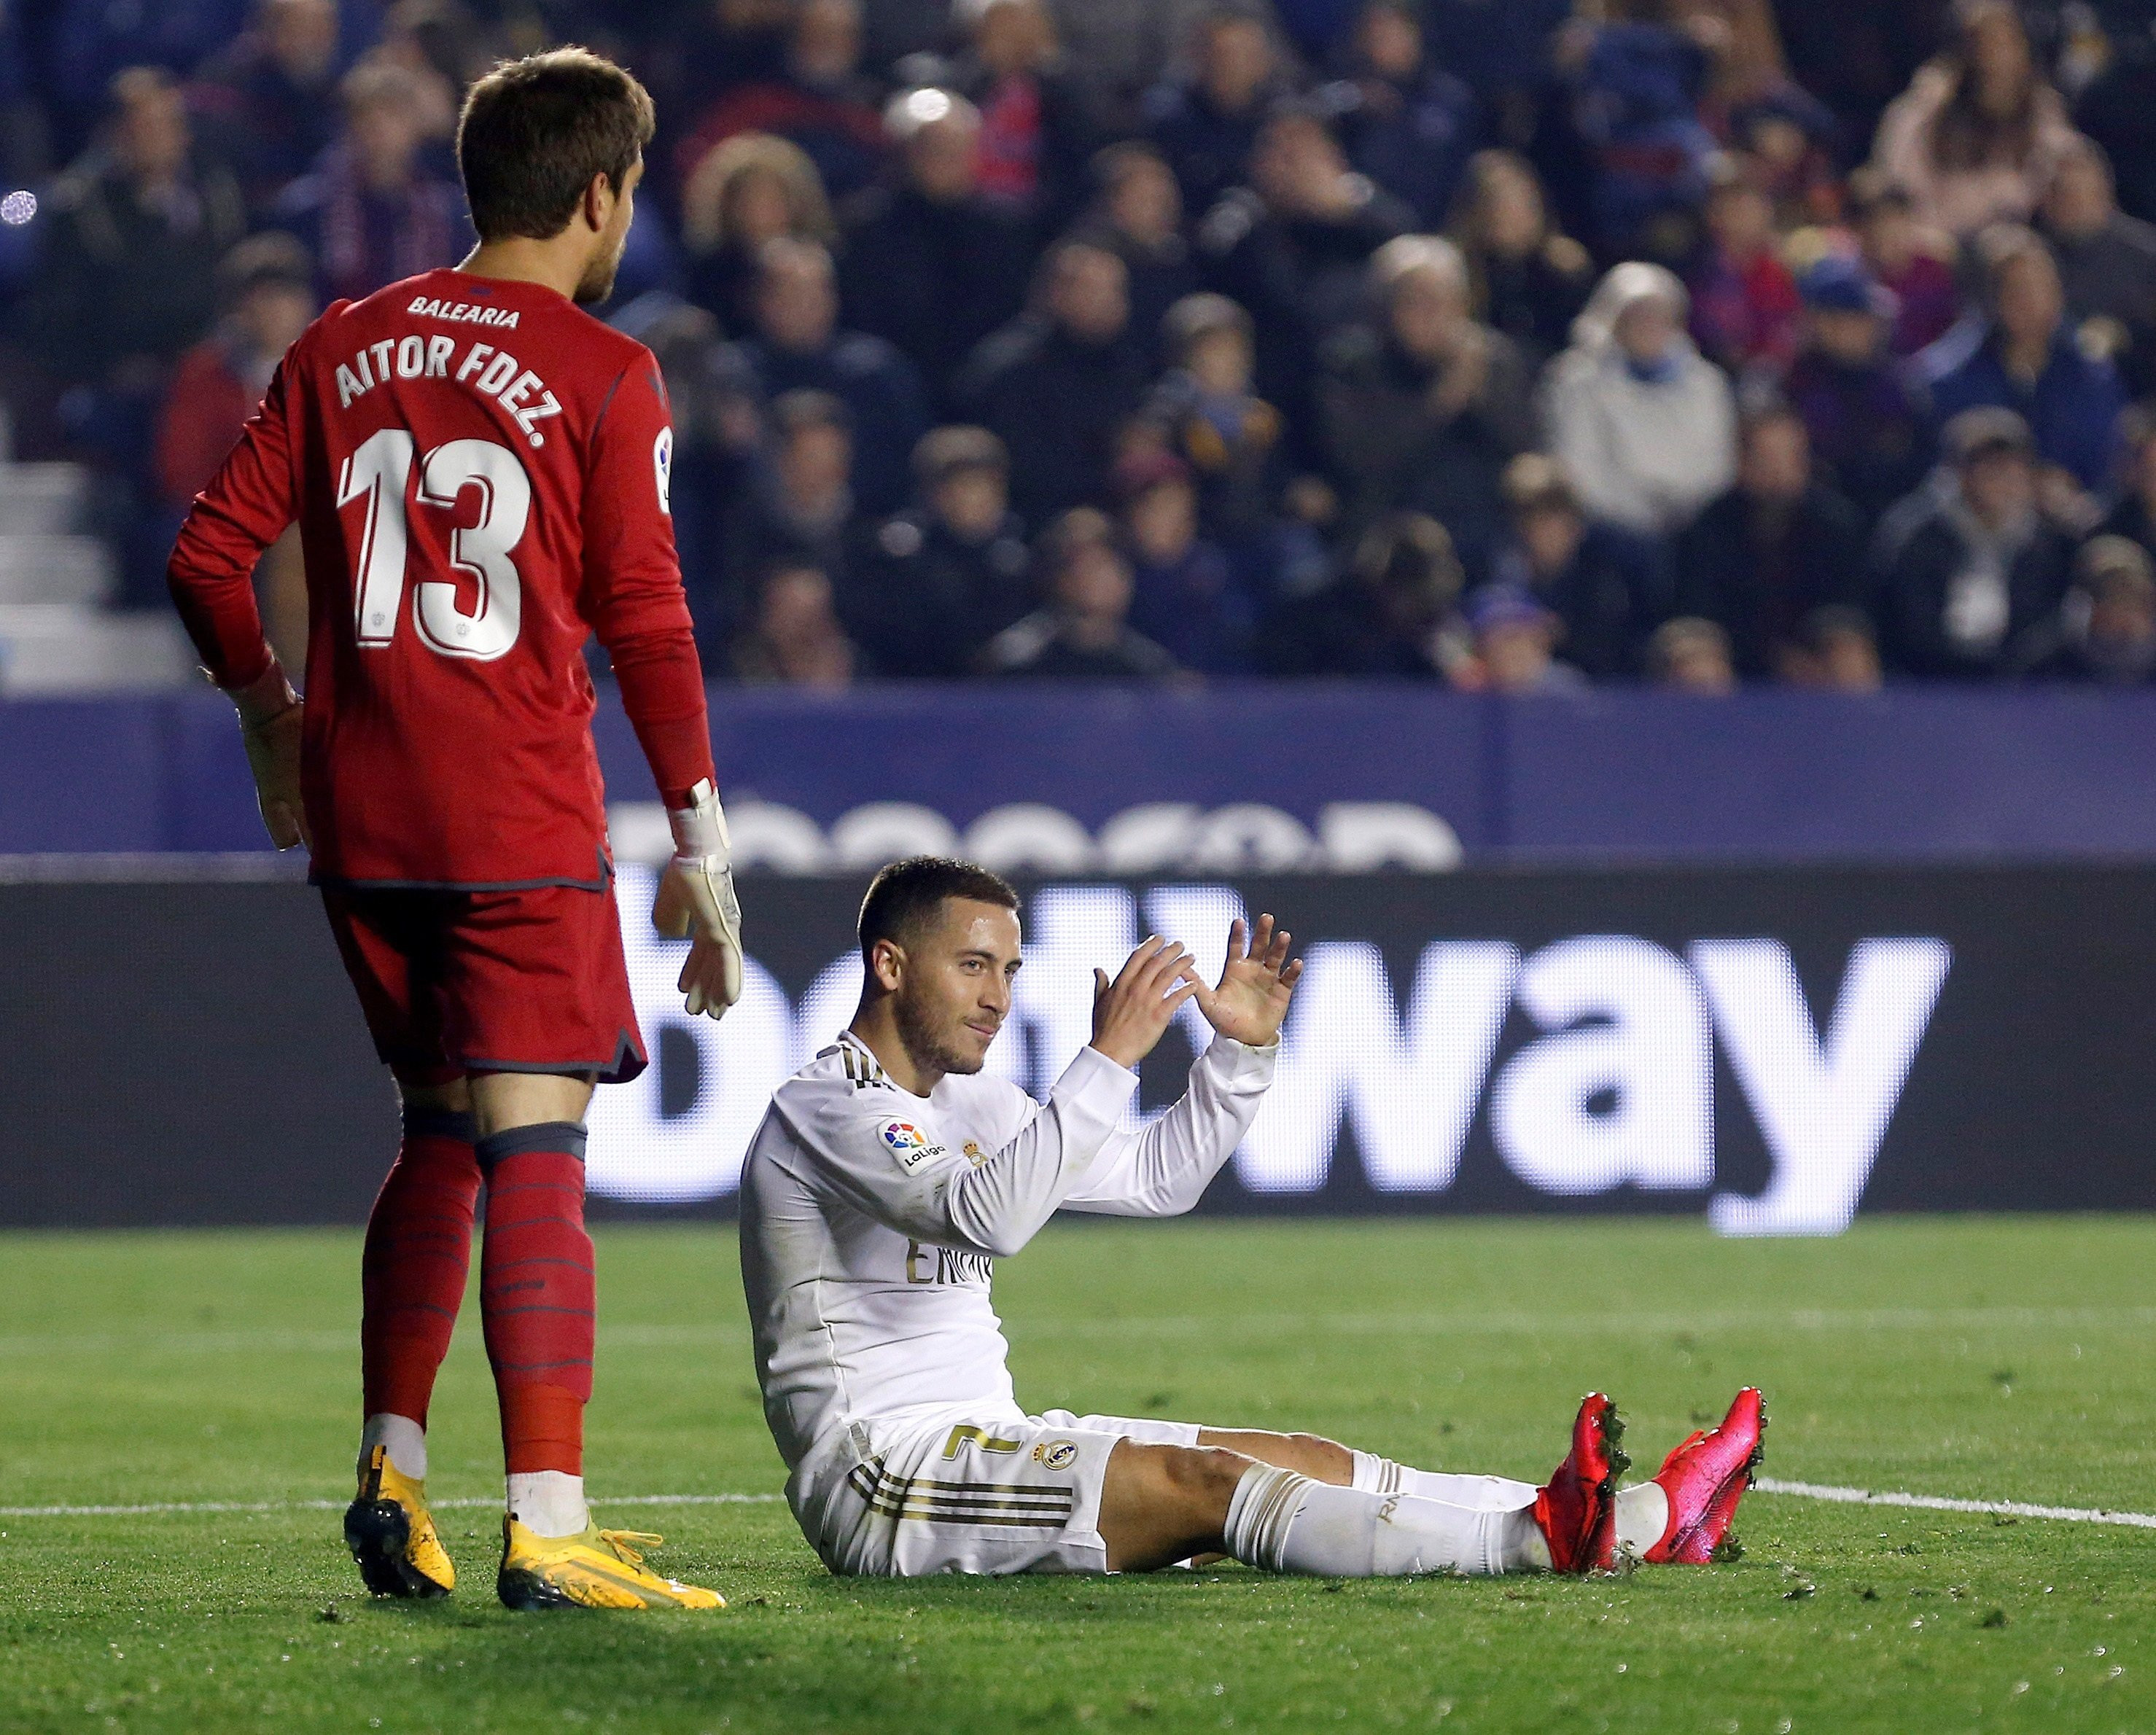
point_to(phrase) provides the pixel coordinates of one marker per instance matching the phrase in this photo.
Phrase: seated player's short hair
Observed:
(1535, 482)
(905, 897)
(535, 132)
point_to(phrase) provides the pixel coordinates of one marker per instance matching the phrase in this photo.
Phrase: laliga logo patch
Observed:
(1056, 1454)
(909, 1144)
(662, 466)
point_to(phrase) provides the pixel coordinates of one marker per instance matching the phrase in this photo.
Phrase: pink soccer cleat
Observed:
(1577, 1510)
(1705, 1477)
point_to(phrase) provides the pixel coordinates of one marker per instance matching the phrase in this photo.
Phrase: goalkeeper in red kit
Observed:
(479, 469)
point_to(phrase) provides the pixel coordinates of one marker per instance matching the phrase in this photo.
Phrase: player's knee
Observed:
(1202, 1479)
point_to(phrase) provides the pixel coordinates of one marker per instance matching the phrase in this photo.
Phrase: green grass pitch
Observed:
(1992, 1359)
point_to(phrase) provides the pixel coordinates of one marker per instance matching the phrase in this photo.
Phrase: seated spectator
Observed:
(1607, 586)
(1968, 563)
(1530, 280)
(2105, 630)
(1780, 546)
(1789, 137)
(800, 503)
(1137, 215)
(1744, 304)
(1394, 612)
(794, 637)
(1835, 651)
(1637, 87)
(2133, 514)
(1291, 246)
(268, 99)
(718, 432)
(90, 42)
(1406, 122)
(1912, 264)
(372, 211)
(266, 287)
(1975, 137)
(1691, 655)
(1870, 433)
(135, 231)
(1208, 415)
(1207, 126)
(1038, 128)
(1424, 413)
(950, 573)
(750, 191)
(1186, 597)
(1515, 646)
(2021, 355)
(1057, 384)
(1084, 633)
(1123, 45)
(798, 346)
(816, 98)
(931, 263)
(1645, 426)
(2107, 263)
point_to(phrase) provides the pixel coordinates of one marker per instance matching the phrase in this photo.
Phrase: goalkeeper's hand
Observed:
(696, 900)
(272, 718)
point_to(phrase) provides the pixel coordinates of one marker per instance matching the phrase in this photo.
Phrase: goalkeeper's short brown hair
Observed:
(535, 132)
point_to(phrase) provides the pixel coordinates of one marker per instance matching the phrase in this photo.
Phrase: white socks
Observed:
(406, 1440)
(549, 1502)
(1643, 1514)
(1484, 1493)
(1285, 1522)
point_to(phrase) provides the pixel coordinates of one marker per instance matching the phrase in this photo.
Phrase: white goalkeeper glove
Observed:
(696, 899)
(272, 718)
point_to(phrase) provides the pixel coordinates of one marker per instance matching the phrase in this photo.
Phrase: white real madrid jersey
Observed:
(870, 1218)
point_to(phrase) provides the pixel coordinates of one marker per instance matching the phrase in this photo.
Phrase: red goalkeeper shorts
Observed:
(459, 982)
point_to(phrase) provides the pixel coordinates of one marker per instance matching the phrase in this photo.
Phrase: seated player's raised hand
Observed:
(1130, 1014)
(696, 901)
(1256, 985)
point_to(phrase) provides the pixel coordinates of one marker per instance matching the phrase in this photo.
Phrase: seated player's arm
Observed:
(1165, 1169)
(246, 507)
(887, 1158)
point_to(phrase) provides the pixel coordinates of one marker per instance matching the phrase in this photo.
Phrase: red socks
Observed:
(536, 1293)
(412, 1274)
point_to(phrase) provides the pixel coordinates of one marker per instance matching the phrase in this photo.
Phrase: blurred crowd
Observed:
(1510, 344)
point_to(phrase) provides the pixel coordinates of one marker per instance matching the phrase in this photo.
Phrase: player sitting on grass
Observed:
(889, 1176)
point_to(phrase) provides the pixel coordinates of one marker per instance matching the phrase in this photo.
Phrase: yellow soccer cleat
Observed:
(594, 1569)
(391, 1535)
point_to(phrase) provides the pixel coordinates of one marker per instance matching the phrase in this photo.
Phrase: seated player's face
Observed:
(954, 990)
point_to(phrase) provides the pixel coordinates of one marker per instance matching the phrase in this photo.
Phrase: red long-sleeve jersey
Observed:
(479, 469)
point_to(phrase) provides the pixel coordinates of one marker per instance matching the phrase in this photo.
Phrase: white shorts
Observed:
(966, 1490)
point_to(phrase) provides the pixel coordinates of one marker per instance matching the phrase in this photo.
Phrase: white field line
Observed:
(159, 1507)
(1430, 1324)
(1765, 1485)
(1946, 1503)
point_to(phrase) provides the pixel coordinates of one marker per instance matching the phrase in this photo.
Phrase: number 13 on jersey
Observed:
(379, 473)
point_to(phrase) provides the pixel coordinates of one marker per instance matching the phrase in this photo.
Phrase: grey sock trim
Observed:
(1263, 1504)
(455, 1123)
(565, 1136)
